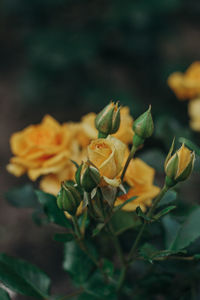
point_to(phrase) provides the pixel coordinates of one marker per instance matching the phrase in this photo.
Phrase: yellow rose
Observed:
(125, 131)
(42, 149)
(107, 155)
(194, 113)
(51, 183)
(140, 178)
(87, 130)
(179, 166)
(186, 85)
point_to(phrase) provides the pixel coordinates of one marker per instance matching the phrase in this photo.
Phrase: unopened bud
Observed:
(87, 176)
(68, 198)
(108, 120)
(179, 166)
(143, 128)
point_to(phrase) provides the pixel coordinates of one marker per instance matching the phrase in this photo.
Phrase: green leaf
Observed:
(116, 208)
(146, 251)
(23, 196)
(164, 211)
(140, 214)
(123, 220)
(188, 231)
(51, 209)
(77, 263)
(171, 227)
(150, 253)
(23, 277)
(190, 145)
(168, 198)
(75, 163)
(197, 256)
(63, 237)
(4, 295)
(97, 288)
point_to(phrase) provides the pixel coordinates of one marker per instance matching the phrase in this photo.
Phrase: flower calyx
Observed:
(68, 198)
(178, 166)
(108, 120)
(143, 128)
(87, 176)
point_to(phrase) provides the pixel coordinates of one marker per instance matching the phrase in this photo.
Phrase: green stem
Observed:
(122, 277)
(76, 226)
(149, 214)
(120, 255)
(102, 135)
(157, 200)
(81, 243)
(137, 240)
(90, 205)
(131, 154)
(116, 244)
(186, 258)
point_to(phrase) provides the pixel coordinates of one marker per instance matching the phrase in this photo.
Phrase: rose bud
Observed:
(108, 120)
(179, 166)
(68, 198)
(87, 176)
(143, 128)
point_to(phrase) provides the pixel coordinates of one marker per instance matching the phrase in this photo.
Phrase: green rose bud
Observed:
(68, 198)
(87, 176)
(143, 128)
(108, 120)
(179, 166)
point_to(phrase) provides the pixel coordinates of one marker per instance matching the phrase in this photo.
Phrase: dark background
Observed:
(68, 58)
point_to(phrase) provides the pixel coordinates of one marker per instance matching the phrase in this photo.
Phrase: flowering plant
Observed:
(102, 198)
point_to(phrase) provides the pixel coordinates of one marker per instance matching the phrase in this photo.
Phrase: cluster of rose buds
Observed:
(88, 176)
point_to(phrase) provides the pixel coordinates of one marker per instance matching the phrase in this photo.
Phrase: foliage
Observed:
(114, 224)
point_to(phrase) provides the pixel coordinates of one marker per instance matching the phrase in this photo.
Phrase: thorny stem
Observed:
(131, 154)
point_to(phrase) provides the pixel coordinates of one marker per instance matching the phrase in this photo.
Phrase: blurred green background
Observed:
(67, 58)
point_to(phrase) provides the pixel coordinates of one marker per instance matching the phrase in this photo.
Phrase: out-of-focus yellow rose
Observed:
(87, 130)
(125, 131)
(107, 155)
(186, 85)
(140, 178)
(194, 113)
(42, 149)
(52, 183)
